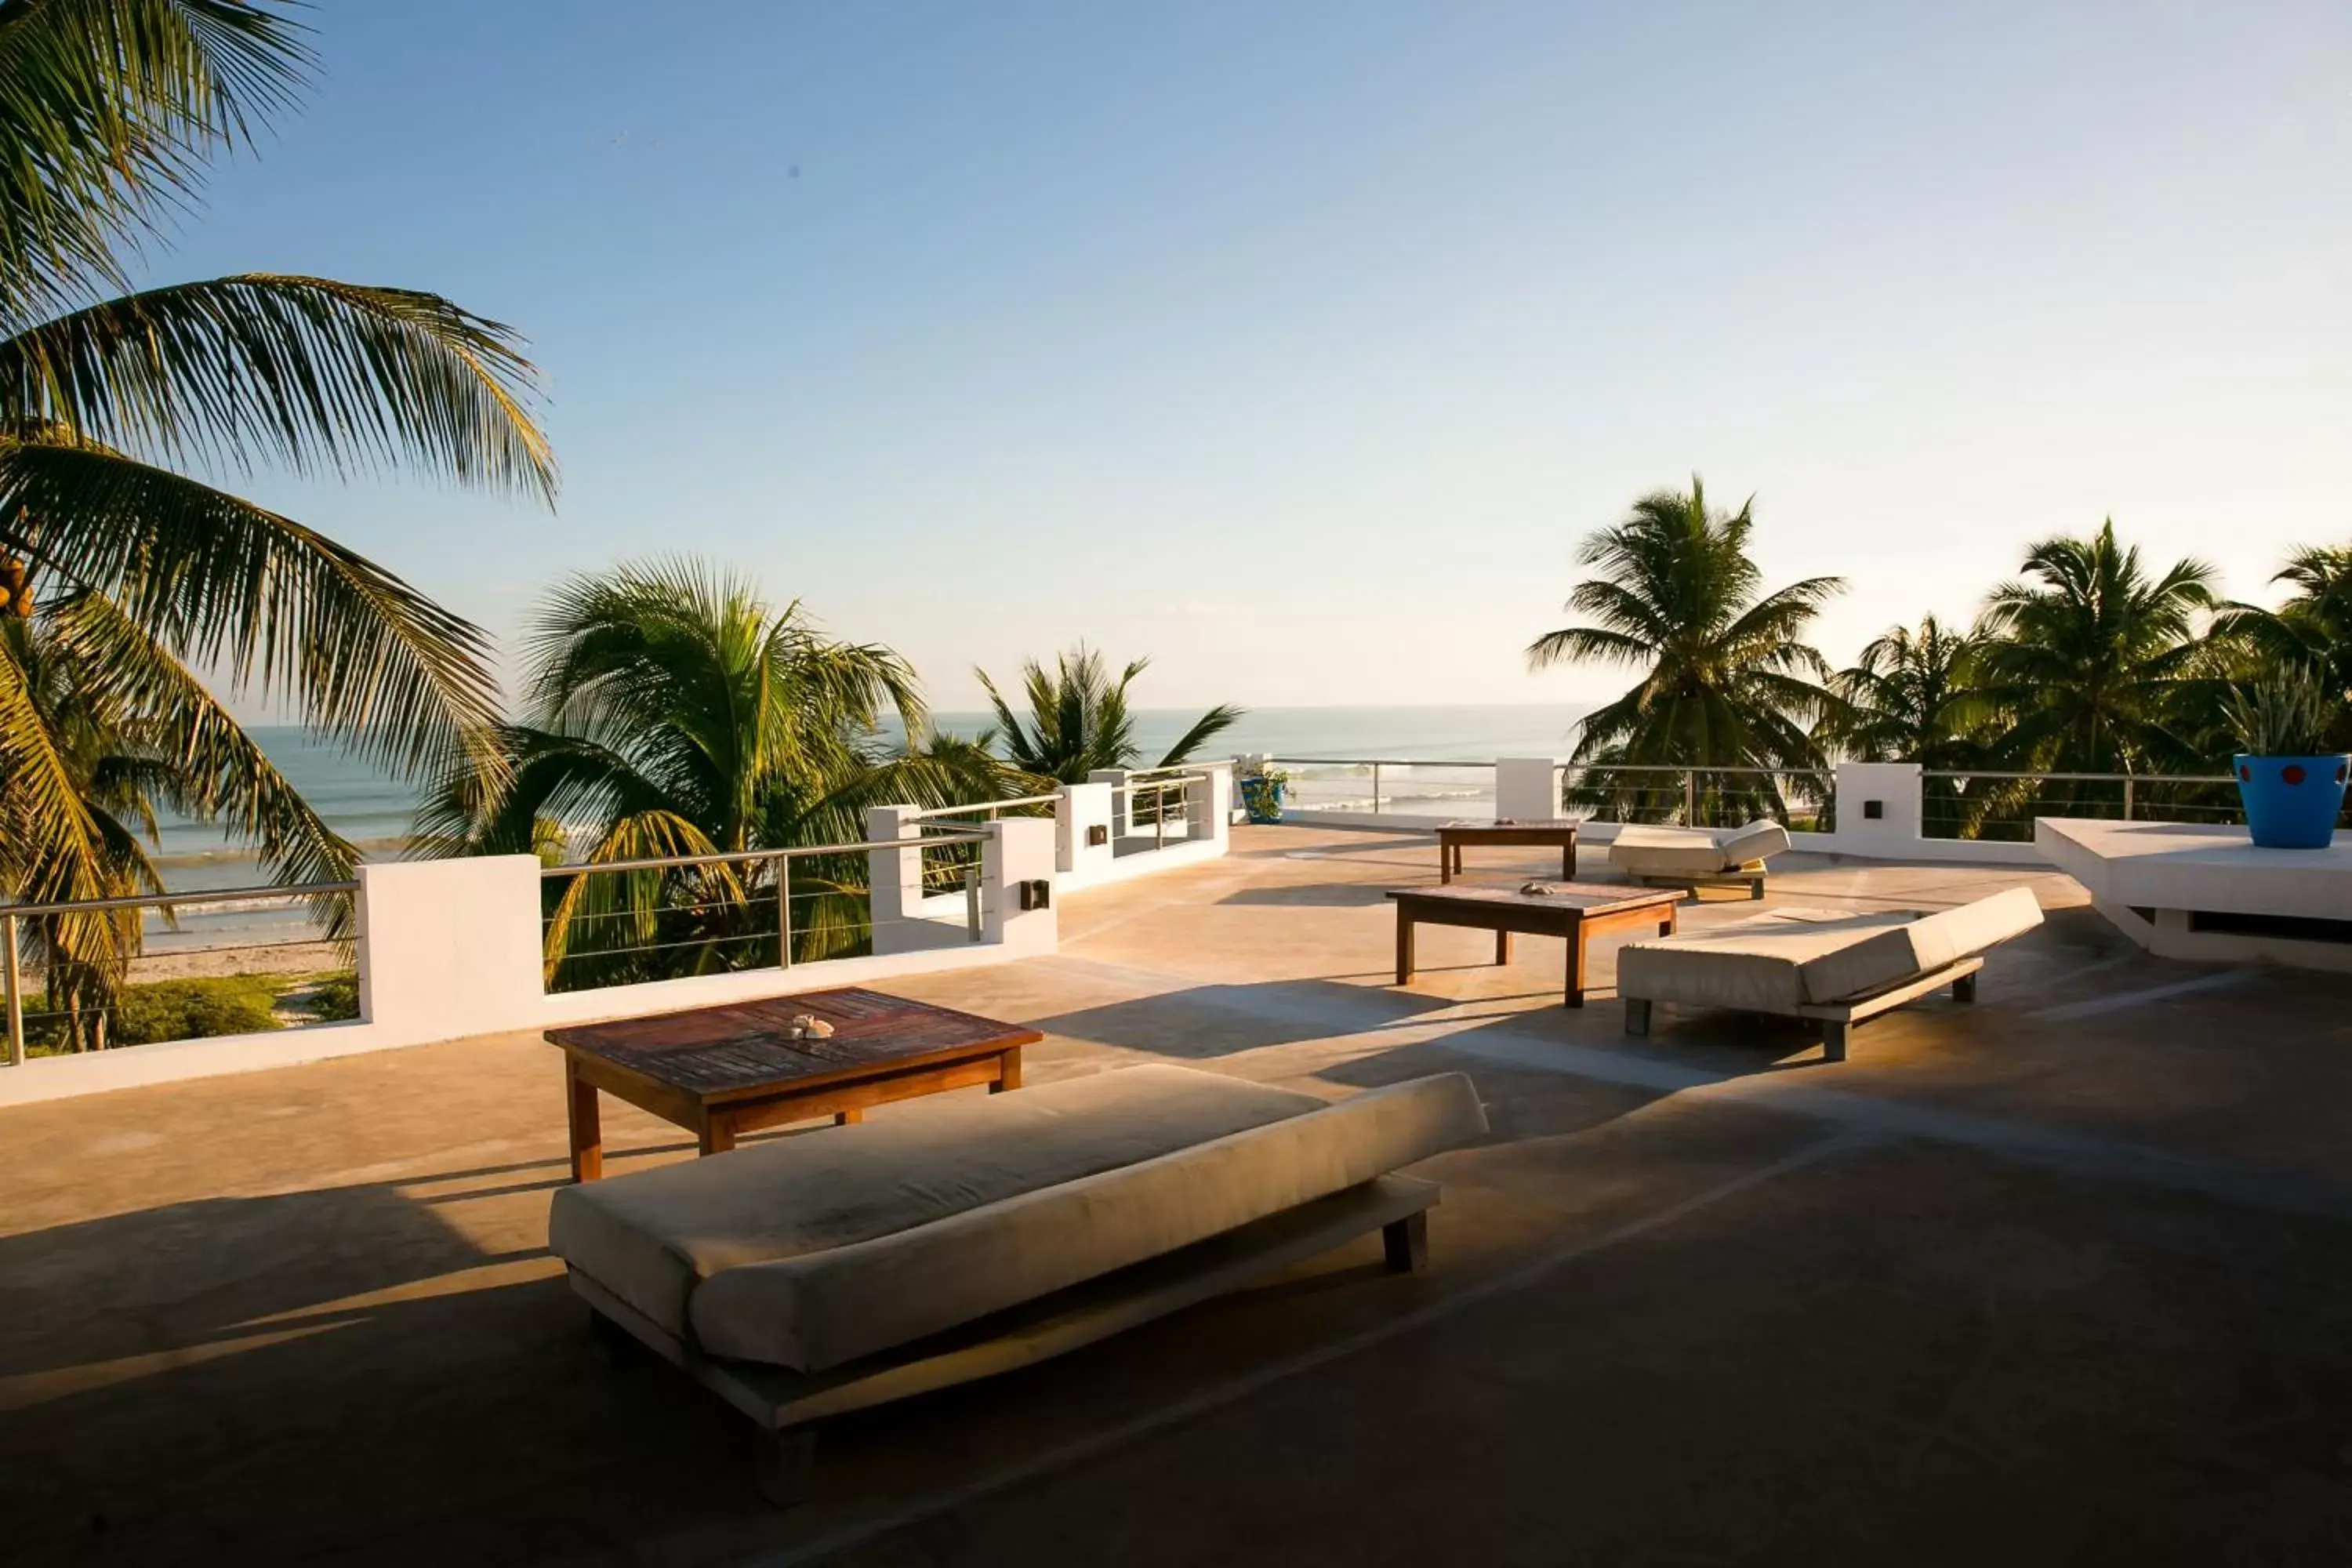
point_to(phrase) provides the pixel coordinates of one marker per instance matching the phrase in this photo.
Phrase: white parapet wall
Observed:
(2206, 893)
(1527, 789)
(451, 949)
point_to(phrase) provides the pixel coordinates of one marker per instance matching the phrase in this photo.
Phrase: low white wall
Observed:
(449, 949)
(1082, 831)
(1527, 789)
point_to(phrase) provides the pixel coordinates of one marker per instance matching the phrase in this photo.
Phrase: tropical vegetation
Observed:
(1727, 681)
(674, 712)
(2092, 660)
(120, 571)
(1080, 723)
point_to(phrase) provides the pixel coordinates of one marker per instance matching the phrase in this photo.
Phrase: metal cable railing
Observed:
(1633, 792)
(1997, 806)
(731, 921)
(90, 994)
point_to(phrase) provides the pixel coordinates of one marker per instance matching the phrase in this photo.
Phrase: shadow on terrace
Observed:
(2063, 1274)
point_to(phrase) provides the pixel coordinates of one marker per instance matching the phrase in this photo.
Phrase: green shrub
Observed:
(331, 1000)
(196, 1009)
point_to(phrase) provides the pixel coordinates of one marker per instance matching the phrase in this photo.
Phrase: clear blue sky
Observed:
(1296, 344)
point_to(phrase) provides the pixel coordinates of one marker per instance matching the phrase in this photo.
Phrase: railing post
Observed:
(1376, 789)
(1690, 798)
(1122, 800)
(15, 996)
(972, 900)
(1159, 813)
(2127, 797)
(784, 911)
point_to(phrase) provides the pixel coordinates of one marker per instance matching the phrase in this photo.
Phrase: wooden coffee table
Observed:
(1575, 912)
(1452, 837)
(722, 1071)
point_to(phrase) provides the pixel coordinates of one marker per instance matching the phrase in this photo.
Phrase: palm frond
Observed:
(283, 610)
(304, 371)
(1206, 728)
(210, 769)
(107, 108)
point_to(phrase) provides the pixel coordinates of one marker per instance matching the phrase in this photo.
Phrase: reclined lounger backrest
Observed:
(1902, 953)
(1757, 841)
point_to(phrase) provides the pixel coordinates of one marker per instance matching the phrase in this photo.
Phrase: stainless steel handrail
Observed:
(2082, 778)
(783, 860)
(990, 806)
(1564, 767)
(13, 916)
(173, 901)
(741, 857)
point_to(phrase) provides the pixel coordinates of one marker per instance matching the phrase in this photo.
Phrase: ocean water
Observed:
(374, 810)
(1326, 750)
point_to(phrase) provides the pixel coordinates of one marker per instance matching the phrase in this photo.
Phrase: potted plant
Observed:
(2293, 787)
(1262, 787)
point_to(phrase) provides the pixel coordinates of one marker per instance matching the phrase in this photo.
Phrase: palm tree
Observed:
(1912, 695)
(2090, 657)
(127, 730)
(1079, 721)
(1727, 683)
(675, 713)
(2312, 629)
(108, 111)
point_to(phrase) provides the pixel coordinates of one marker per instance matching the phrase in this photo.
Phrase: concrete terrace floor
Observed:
(2065, 1277)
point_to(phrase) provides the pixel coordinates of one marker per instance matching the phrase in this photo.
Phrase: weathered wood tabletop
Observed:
(1572, 910)
(1452, 837)
(730, 1069)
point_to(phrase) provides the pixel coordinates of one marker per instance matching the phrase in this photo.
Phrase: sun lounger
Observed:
(1698, 857)
(964, 1235)
(1818, 964)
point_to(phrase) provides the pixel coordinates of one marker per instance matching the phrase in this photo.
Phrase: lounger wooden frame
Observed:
(1837, 1017)
(784, 1405)
(1749, 875)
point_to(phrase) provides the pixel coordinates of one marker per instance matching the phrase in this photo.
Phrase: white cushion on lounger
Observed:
(1757, 841)
(1643, 849)
(1921, 946)
(820, 1310)
(649, 1238)
(1785, 959)
(1757, 964)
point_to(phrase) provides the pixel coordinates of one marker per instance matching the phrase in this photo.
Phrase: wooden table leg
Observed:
(1008, 1071)
(844, 1118)
(1502, 947)
(1576, 966)
(587, 1128)
(717, 1132)
(1568, 861)
(1446, 853)
(1404, 947)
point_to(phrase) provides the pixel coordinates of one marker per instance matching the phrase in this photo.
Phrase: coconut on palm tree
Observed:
(108, 110)
(675, 711)
(1727, 681)
(1080, 723)
(2090, 654)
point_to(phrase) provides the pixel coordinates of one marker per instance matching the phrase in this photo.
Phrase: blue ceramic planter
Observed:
(2292, 803)
(1261, 798)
